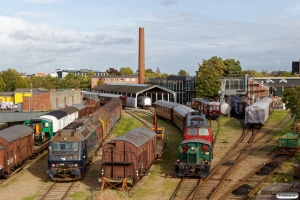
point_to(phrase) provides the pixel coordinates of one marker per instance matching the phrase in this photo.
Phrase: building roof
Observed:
(40, 74)
(123, 76)
(29, 90)
(7, 93)
(129, 88)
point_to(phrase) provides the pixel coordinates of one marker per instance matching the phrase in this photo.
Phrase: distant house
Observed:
(126, 79)
(41, 74)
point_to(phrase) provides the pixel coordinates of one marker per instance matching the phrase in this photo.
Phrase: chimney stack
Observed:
(141, 56)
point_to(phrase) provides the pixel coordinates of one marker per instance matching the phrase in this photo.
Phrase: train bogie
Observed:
(130, 155)
(194, 158)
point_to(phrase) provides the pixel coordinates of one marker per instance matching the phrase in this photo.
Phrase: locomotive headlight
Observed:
(53, 165)
(102, 172)
(137, 173)
(76, 165)
(206, 162)
(178, 161)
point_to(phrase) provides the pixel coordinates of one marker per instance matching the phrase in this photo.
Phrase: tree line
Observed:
(208, 77)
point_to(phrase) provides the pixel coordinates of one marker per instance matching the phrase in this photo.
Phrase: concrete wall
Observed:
(63, 98)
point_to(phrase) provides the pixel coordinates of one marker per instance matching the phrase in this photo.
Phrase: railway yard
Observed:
(244, 161)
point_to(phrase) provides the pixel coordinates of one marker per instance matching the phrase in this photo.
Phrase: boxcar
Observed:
(238, 106)
(92, 105)
(164, 109)
(72, 113)
(59, 119)
(82, 111)
(89, 95)
(179, 115)
(105, 98)
(17, 146)
(144, 102)
(129, 156)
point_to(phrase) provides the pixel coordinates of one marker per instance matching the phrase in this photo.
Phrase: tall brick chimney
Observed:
(141, 56)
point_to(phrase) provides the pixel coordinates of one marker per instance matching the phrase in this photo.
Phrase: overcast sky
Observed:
(44, 35)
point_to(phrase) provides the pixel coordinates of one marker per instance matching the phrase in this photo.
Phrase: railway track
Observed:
(185, 188)
(59, 190)
(211, 185)
(137, 115)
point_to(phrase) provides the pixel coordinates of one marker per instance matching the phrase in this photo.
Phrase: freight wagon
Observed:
(129, 156)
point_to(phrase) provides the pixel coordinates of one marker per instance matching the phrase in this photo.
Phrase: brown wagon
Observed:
(109, 114)
(128, 157)
(17, 146)
(92, 105)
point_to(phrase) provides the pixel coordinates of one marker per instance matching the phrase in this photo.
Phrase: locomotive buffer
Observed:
(160, 133)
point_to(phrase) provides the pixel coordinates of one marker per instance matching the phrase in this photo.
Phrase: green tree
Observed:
(292, 100)
(13, 80)
(113, 72)
(126, 71)
(157, 70)
(208, 77)
(2, 85)
(251, 73)
(233, 68)
(99, 82)
(182, 72)
(286, 74)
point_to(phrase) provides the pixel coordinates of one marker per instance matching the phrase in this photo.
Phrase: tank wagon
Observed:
(144, 102)
(238, 106)
(258, 113)
(16, 146)
(72, 148)
(207, 106)
(129, 156)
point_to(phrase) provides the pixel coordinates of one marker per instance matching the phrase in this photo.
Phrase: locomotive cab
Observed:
(194, 158)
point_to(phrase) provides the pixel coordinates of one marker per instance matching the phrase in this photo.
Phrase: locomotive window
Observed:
(65, 146)
(192, 131)
(203, 131)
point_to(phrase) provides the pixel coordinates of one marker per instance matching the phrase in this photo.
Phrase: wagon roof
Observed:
(12, 133)
(40, 119)
(79, 106)
(57, 113)
(164, 103)
(182, 109)
(196, 140)
(70, 110)
(138, 136)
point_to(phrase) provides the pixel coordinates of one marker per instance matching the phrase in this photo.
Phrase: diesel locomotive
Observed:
(73, 147)
(195, 151)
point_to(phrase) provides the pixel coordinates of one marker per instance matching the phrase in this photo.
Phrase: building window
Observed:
(116, 79)
(127, 79)
(133, 79)
(122, 79)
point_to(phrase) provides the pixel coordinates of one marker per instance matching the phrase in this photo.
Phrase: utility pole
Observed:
(229, 102)
(30, 97)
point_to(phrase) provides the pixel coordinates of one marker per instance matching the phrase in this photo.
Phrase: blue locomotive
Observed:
(72, 149)
(238, 106)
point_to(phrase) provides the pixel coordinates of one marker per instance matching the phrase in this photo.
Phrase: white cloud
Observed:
(43, 1)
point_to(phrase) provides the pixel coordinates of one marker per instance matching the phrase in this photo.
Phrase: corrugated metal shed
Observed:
(18, 116)
(138, 136)
(12, 133)
(129, 88)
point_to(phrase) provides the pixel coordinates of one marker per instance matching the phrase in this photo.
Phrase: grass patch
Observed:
(79, 196)
(126, 124)
(31, 197)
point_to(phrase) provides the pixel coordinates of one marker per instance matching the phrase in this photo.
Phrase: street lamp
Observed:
(30, 97)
